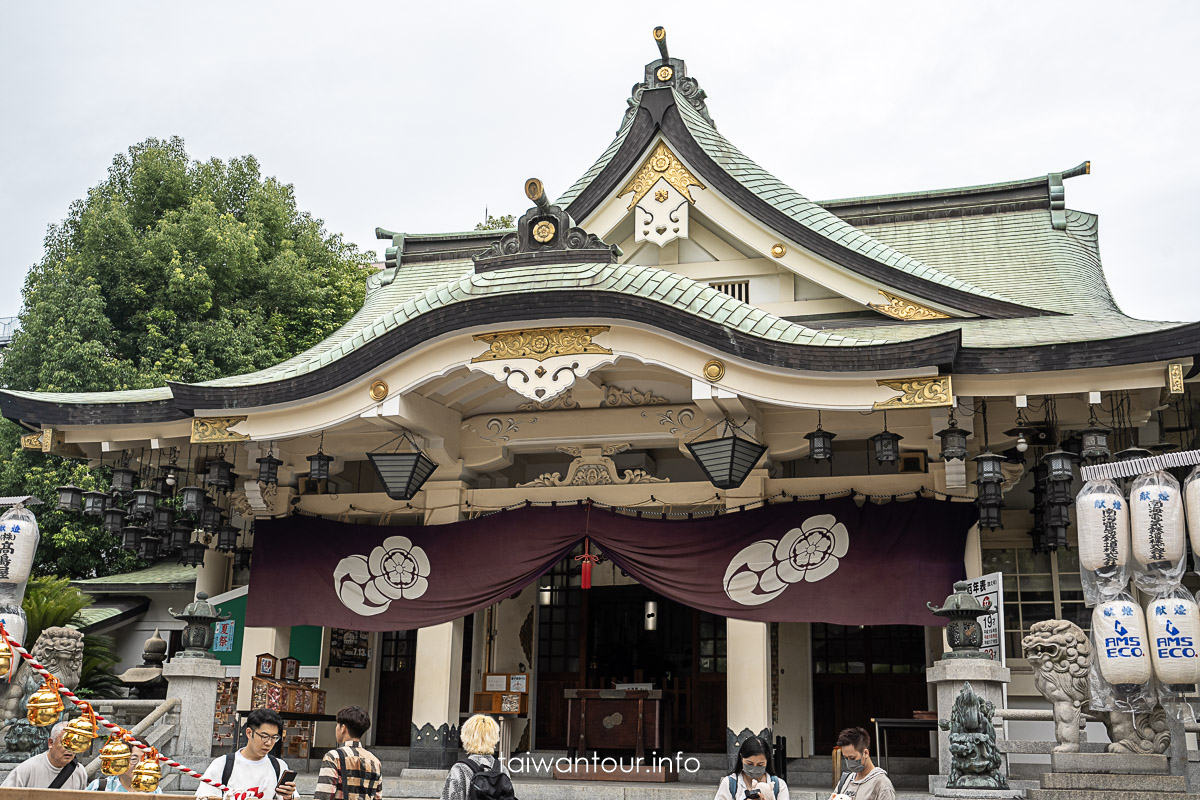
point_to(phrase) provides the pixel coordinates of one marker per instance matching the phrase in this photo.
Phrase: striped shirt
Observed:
(363, 778)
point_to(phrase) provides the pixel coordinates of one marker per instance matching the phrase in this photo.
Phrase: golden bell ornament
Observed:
(77, 736)
(44, 705)
(147, 774)
(6, 653)
(115, 756)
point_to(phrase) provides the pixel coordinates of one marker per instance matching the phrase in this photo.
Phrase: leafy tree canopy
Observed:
(505, 222)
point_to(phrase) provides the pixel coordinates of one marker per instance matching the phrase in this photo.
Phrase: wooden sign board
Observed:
(500, 703)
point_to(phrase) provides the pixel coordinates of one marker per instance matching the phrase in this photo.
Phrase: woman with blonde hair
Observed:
(479, 736)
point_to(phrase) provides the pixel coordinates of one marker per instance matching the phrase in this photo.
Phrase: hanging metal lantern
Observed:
(1059, 465)
(820, 442)
(192, 500)
(1038, 530)
(131, 536)
(70, 498)
(268, 469)
(403, 474)
(192, 554)
(1132, 453)
(989, 517)
(149, 548)
(226, 538)
(94, 503)
(726, 461)
(211, 517)
(179, 537)
(954, 441)
(318, 466)
(114, 519)
(162, 519)
(220, 474)
(1058, 516)
(44, 705)
(78, 735)
(115, 756)
(171, 473)
(989, 466)
(1094, 445)
(241, 558)
(161, 486)
(887, 446)
(122, 480)
(147, 774)
(143, 503)
(1059, 493)
(991, 494)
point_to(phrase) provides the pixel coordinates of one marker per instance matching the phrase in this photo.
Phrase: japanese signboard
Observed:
(223, 640)
(989, 591)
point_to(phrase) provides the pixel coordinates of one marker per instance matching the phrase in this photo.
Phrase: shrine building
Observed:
(763, 431)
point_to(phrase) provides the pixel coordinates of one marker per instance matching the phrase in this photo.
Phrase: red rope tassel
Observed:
(588, 560)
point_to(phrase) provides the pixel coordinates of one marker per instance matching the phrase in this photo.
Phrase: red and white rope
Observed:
(67, 693)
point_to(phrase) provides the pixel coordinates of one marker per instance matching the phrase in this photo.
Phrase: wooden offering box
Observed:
(503, 693)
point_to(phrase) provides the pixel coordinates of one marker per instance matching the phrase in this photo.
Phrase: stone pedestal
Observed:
(194, 682)
(986, 677)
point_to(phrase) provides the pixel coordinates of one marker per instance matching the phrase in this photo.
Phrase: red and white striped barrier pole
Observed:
(67, 693)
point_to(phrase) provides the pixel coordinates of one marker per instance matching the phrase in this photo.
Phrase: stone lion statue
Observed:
(59, 650)
(1061, 656)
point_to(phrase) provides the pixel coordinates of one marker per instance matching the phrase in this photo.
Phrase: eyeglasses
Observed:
(267, 738)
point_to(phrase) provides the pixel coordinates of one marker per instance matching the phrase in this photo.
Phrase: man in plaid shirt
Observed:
(350, 772)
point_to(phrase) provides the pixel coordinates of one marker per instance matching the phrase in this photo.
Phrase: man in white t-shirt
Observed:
(252, 773)
(53, 769)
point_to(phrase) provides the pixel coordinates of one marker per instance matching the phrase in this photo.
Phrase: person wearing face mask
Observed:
(753, 775)
(862, 780)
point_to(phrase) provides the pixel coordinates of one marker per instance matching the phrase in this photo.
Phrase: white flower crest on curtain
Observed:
(396, 570)
(760, 572)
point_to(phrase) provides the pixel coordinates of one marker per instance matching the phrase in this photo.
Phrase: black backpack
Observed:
(231, 758)
(488, 784)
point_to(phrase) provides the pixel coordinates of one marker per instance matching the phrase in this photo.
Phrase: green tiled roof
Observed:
(165, 572)
(92, 615)
(128, 396)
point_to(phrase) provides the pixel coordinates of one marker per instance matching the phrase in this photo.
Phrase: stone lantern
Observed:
(964, 633)
(198, 635)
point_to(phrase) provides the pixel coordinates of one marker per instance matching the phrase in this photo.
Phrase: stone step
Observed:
(1147, 783)
(1109, 763)
(1114, 794)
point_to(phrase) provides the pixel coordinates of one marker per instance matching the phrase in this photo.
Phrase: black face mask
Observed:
(851, 764)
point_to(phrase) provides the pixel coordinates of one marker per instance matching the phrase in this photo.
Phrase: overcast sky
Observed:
(417, 117)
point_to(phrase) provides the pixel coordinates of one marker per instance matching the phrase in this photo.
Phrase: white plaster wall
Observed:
(347, 687)
(508, 654)
(131, 637)
(795, 687)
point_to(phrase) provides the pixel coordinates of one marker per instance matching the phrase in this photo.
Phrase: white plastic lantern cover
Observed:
(16, 625)
(1157, 530)
(1191, 501)
(1119, 631)
(1102, 519)
(19, 538)
(1173, 625)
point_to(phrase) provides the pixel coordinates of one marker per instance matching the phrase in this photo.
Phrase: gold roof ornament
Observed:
(899, 308)
(661, 163)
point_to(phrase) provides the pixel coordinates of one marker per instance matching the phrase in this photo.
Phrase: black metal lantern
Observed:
(1095, 443)
(726, 461)
(162, 519)
(964, 633)
(180, 536)
(989, 466)
(1058, 515)
(886, 444)
(161, 486)
(227, 538)
(171, 473)
(989, 517)
(131, 536)
(991, 494)
(143, 503)
(820, 442)
(318, 466)
(954, 441)
(241, 558)
(70, 498)
(403, 474)
(94, 503)
(1060, 465)
(122, 480)
(211, 517)
(268, 469)
(192, 554)
(220, 474)
(1059, 492)
(192, 500)
(114, 519)
(198, 635)
(149, 547)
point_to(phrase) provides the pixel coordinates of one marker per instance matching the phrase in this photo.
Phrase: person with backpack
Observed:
(753, 775)
(480, 776)
(351, 772)
(252, 773)
(124, 781)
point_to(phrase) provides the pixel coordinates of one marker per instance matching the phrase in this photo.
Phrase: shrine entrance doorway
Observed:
(397, 670)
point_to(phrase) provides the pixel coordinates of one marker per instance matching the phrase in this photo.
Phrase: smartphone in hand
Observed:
(288, 776)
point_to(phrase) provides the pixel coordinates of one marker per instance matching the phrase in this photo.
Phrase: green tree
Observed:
(53, 602)
(505, 222)
(168, 270)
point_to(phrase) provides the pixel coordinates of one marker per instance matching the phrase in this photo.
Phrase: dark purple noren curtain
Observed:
(826, 561)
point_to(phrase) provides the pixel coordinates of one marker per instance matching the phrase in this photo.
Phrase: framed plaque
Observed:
(265, 665)
(495, 683)
(518, 683)
(291, 669)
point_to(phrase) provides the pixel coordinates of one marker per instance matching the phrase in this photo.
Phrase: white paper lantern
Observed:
(1174, 631)
(1119, 630)
(1156, 511)
(15, 625)
(1191, 500)
(19, 538)
(1102, 518)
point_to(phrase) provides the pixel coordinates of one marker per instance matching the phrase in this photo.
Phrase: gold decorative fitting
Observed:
(541, 343)
(661, 163)
(664, 73)
(147, 774)
(534, 189)
(714, 370)
(378, 391)
(918, 393)
(543, 231)
(899, 308)
(778, 250)
(207, 430)
(115, 756)
(1175, 379)
(79, 733)
(51, 441)
(660, 33)
(661, 195)
(44, 705)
